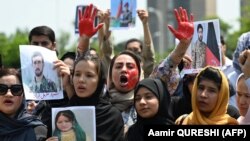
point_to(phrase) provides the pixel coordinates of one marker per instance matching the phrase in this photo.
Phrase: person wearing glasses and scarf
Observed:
(15, 123)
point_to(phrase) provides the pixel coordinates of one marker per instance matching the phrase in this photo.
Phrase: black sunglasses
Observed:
(16, 90)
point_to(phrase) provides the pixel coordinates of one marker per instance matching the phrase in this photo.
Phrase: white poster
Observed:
(40, 80)
(78, 120)
(204, 49)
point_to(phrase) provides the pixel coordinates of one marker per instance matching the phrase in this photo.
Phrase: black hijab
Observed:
(181, 103)
(21, 127)
(135, 132)
(109, 122)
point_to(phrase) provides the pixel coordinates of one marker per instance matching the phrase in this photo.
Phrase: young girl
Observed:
(67, 127)
(15, 123)
(151, 103)
(210, 96)
(182, 104)
(88, 82)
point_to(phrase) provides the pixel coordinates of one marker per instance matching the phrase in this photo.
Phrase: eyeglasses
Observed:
(16, 89)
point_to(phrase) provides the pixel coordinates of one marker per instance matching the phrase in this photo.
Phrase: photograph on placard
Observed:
(40, 80)
(74, 123)
(123, 13)
(204, 49)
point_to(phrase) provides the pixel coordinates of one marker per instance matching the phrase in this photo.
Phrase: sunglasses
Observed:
(16, 90)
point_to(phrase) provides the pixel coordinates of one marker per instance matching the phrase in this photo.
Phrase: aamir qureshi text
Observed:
(185, 132)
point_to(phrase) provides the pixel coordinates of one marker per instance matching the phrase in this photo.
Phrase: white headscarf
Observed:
(243, 120)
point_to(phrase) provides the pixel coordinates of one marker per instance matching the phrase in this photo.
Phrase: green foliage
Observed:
(160, 57)
(232, 38)
(62, 43)
(244, 27)
(119, 47)
(9, 47)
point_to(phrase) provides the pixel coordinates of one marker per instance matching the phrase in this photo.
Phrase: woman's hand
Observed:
(244, 61)
(86, 21)
(185, 28)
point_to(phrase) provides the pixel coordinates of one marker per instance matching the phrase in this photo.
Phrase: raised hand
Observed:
(143, 15)
(185, 28)
(244, 61)
(104, 17)
(187, 60)
(86, 21)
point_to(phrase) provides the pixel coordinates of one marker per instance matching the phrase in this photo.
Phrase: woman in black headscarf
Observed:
(89, 81)
(15, 123)
(151, 103)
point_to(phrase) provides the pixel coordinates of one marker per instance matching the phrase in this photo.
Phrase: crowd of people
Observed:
(128, 90)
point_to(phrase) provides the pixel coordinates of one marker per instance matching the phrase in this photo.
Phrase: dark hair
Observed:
(42, 30)
(37, 54)
(222, 41)
(99, 69)
(210, 73)
(199, 26)
(10, 71)
(187, 78)
(129, 53)
(1, 63)
(126, 4)
(79, 133)
(134, 40)
(71, 55)
(92, 49)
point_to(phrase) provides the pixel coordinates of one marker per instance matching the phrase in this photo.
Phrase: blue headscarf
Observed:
(243, 44)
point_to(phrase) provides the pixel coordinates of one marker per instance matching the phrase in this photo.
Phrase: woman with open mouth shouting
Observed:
(124, 74)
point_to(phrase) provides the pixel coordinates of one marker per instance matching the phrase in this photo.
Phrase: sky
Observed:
(228, 10)
(60, 15)
(57, 14)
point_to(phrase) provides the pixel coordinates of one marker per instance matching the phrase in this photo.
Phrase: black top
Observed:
(135, 132)
(109, 122)
(22, 127)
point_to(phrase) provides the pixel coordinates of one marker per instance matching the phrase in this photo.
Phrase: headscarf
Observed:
(21, 127)
(162, 117)
(122, 101)
(244, 119)
(181, 104)
(109, 122)
(95, 97)
(242, 44)
(126, 52)
(218, 116)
